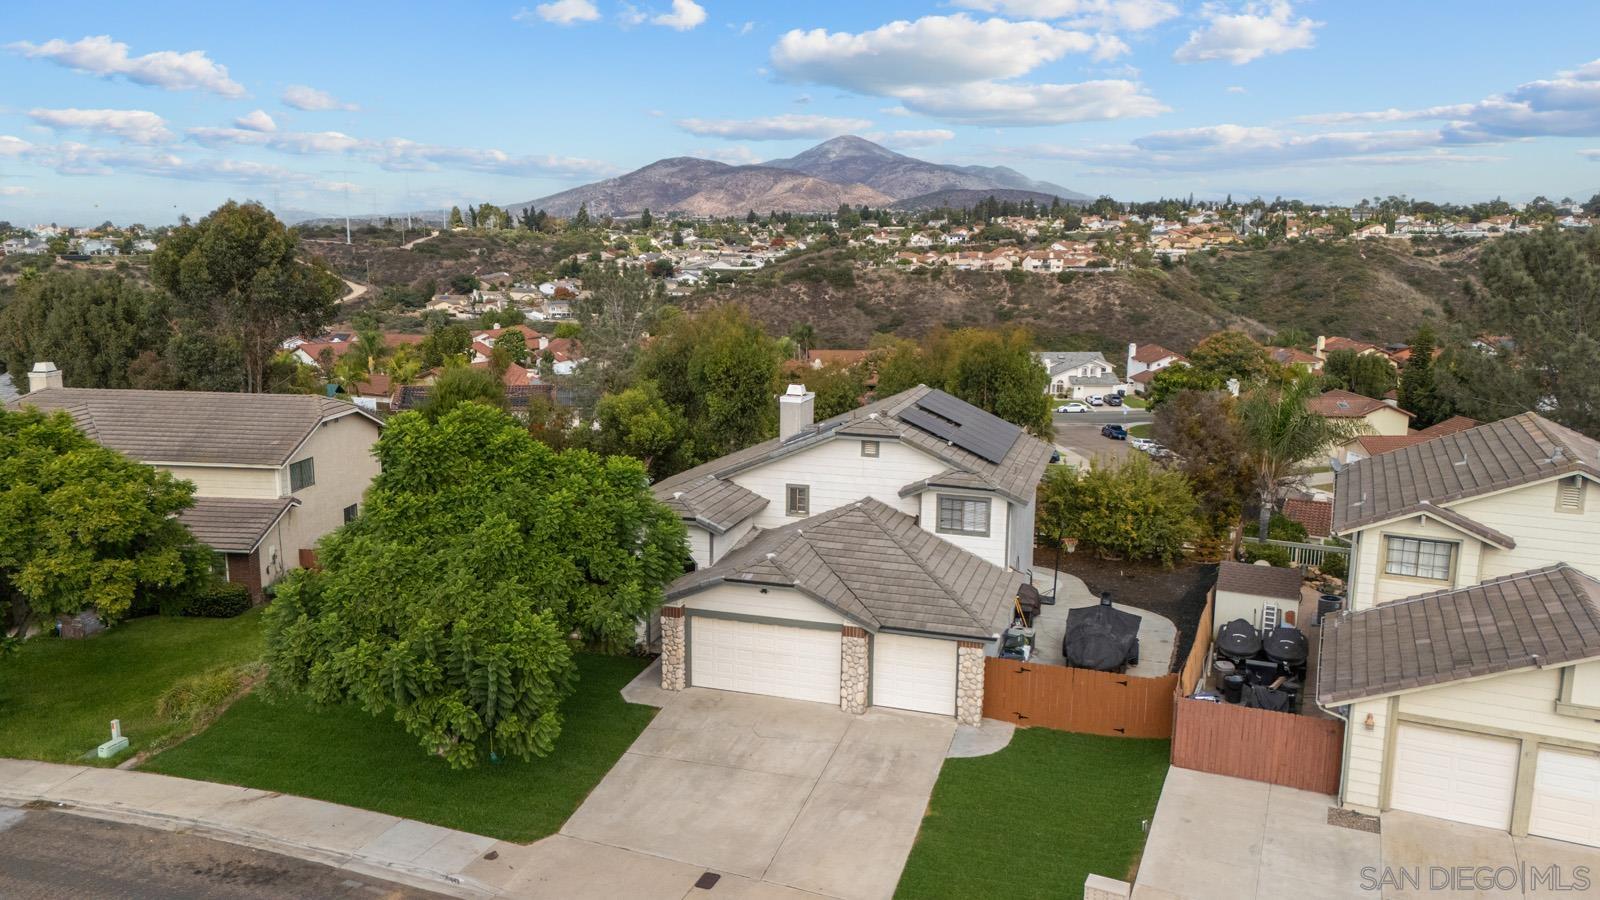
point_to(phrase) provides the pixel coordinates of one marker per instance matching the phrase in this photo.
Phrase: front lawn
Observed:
(343, 755)
(1037, 818)
(58, 697)
(1144, 430)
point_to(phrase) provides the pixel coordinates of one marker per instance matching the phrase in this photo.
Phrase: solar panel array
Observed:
(962, 424)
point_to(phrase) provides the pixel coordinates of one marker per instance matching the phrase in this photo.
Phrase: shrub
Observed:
(1283, 528)
(197, 696)
(1278, 556)
(1335, 565)
(218, 600)
(1131, 509)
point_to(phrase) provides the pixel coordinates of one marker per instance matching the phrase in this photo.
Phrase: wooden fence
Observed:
(1261, 745)
(1082, 700)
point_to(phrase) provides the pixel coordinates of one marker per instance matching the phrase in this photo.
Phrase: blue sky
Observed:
(163, 108)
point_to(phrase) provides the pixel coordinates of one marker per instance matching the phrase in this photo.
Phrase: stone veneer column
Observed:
(672, 647)
(853, 670)
(969, 683)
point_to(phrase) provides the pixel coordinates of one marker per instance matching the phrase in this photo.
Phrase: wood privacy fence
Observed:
(1258, 744)
(1082, 700)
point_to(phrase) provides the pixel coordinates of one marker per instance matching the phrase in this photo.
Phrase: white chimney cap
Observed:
(795, 390)
(44, 367)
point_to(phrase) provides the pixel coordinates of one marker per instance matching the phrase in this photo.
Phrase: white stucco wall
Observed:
(747, 600)
(837, 474)
(1520, 701)
(1020, 550)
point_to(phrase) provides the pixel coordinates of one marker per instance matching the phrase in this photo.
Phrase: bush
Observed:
(1130, 509)
(218, 600)
(1283, 528)
(197, 696)
(1335, 565)
(1278, 556)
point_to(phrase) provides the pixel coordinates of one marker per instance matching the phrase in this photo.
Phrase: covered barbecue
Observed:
(1101, 637)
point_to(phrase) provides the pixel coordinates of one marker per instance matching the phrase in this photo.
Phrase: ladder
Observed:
(1269, 618)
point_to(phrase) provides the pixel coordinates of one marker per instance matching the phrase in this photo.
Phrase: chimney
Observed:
(1322, 345)
(795, 409)
(45, 375)
(1132, 349)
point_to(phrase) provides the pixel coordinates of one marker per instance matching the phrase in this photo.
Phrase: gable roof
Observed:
(1315, 515)
(714, 504)
(876, 566)
(1015, 475)
(1338, 404)
(1149, 353)
(234, 525)
(1258, 581)
(1062, 360)
(1504, 454)
(1542, 617)
(195, 427)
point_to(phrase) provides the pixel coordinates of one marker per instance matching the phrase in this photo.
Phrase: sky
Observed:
(144, 112)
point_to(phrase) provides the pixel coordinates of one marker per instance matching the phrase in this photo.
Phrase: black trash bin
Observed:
(1328, 604)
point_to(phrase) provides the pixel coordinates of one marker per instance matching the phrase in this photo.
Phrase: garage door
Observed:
(914, 673)
(799, 663)
(1566, 796)
(1454, 775)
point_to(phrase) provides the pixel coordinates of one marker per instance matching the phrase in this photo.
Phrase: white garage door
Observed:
(798, 663)
(914, 673)
(1454, 775)
(1566, 796)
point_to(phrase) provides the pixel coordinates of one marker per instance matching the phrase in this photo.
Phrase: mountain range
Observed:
(845, 169)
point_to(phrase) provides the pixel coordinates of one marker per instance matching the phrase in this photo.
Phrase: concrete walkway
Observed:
(1157, 634)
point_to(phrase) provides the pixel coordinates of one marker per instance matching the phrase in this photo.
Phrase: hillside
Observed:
(701, 187)
(851, 159)
(965, 199)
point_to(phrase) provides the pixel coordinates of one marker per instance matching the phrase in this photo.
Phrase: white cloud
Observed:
(1257, 30)
(561, 12)
(685, 14)
(13, 190)
(136, 126)
(1590, 154)
(256, 121)
(906, 140)
(932, 51)
(1115, 15)
(169, 69)
(312, 100)
(995, 103)
(1220, 147)
(774, 128)
(631, 15)
(79, 159)
(301, 143)
(742, 28)
(399, 154)
(1237, 89)
(12, 146)
(736, 155)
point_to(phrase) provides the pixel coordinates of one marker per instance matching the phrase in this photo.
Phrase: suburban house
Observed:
(1078, 375)
(1145, 360)
(1368, 445)
(1294, 356)
(869, 559)
(1467, 666)
(1326, 345)
(1375, 416)
(1315, 516)
(273, 473)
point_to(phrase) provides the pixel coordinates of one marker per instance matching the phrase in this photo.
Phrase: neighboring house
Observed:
(273, 473)
(1369, 445)
(1316, 516)
(1294, 356)
(1468, 664)
(1254, 592)
(872, 555)
(1148, 358)
(1376, 417)
(1326, 345)
(1077, 375)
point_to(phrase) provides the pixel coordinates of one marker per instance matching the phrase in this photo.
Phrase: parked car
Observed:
(1114, 400)
(1073, 407)
(1115, 432)
(1140, 443)
(1096, 400)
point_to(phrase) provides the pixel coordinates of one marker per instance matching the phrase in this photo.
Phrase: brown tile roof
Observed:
(1337, 404)
(518, 396)
(230, 525)
(1330, 344)
(1379, 444)
(1542, 617)
(1288, 356)
(1315, 515)
(195, 426)
(1149, 353)
(714, 504)
(1450, 426)
(1500, 455)
(874, 565)
(1258, 581)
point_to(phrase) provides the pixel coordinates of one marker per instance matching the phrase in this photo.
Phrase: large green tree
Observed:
(84, 527)
(448, 603)
(1202, 429)
(639, 423)
(993, 370)
(1281, 434)
(1367, 374)
(92, 327)
(1130, 509)
(235, 274)
(459, 384)
(720, 371)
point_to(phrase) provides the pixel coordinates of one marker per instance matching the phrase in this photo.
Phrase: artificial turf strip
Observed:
(1037, 818)
(343, 755)
(58, 697)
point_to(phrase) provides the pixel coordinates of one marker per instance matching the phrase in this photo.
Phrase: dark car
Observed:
(1115, 432)
(1113, 399)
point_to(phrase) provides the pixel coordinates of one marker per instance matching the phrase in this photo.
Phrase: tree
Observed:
(1417, 392)
(1202, 430)
(1129, 509)
(804, 337)
(455, 218)
(84, 527)
(638, 423)
(661, 268)
(1233, 354)
(1367, 374)
(515, 345)
(92, 327)
(1281, 433)
(615, 312)
(646, 220)
(235, 276)
(839, 389)
(720, 371)
(997, 372)
(581, 220)
(447, 604)
(1177, 378)
(460, 384)
(444, 344)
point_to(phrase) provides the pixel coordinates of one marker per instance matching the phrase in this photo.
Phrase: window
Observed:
(869, 448)
(964, 515)
(1417, 558)
(302, 474)
(797, 500)
(350, 513)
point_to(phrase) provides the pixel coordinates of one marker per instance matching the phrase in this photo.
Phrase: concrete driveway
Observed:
(778, 791)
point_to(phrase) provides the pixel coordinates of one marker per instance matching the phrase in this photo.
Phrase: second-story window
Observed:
(964, 515)
(302, 474)
(1417, 558)
(797, 500)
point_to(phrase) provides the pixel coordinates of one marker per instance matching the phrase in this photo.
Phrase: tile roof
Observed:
(1258, 581)
(1315, 515)
(195, 426)
(1149, 353)
(233, 525)
(1060, 361)
(1542, 617)
(874, 565)
(1015, 476)
(1450, 426)
(714, 504)
(518, 396)
(1288, 356)
(1500, 455)
(1337, 404)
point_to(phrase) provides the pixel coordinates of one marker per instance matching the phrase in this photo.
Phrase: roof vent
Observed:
(677, 495)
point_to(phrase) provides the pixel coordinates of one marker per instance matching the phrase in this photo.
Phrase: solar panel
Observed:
(962, 424)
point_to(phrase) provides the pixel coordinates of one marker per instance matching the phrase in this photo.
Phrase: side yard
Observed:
(1037, 818)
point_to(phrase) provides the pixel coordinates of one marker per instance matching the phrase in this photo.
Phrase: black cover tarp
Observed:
(1238, 640)
(1100, 637)
(1259, 696)
(1286, 645)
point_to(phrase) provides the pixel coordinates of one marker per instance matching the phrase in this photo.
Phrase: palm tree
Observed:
(1281, 433)
(369, 344)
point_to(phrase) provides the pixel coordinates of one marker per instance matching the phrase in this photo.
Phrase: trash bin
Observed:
(1327, 604)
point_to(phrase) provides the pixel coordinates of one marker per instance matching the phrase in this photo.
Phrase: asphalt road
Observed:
(45, 855)
(1098, 417)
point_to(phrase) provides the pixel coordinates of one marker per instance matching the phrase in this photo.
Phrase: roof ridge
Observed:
(921, 563)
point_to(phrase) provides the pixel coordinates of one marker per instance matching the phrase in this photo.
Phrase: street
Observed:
(46, 854)
(1079, 433)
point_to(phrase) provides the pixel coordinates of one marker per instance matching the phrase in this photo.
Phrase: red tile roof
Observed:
(1337, 404)
(1149, 353)
(1315, 515)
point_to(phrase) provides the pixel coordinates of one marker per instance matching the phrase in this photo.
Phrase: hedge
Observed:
(218, 600)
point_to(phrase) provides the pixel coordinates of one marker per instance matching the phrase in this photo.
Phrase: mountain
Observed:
(701, 187)
(853, 159)
(966, 199)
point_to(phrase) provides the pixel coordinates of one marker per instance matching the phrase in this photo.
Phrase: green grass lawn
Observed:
(1144, 431)
(58, 697)
(1036, 818)
(346, 756)
(1133, 401)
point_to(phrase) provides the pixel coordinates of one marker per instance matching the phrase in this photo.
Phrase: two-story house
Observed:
(1145, 360)
(1078, 375)
(273, 473)
(1373, 417)
(1467, 667)
(872, 558)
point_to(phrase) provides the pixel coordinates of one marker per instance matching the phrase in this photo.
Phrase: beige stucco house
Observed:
(1374, 417)
(1468, 665)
